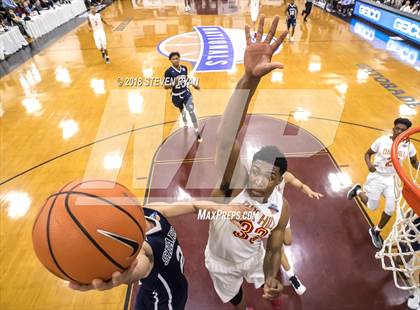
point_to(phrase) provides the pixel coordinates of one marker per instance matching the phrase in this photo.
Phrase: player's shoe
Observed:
(199, 138)
(353, 191)
(107, 60)
(297, 285)
(413, 302)
(376, 238)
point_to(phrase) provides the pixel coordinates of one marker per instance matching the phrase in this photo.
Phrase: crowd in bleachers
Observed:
(408, 6)
(18, 12)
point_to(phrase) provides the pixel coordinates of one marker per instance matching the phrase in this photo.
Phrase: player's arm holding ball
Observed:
(139, 269)
(272, 258)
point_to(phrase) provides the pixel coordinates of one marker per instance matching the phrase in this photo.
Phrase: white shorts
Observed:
(100, 39)
(377, 184)
(227, 277)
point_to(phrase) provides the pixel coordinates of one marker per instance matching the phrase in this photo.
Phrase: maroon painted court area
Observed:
(331, 250)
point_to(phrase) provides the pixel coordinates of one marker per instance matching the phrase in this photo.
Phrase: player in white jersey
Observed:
(289, 178)
(233, 254)
(95, 22)
(381, 179)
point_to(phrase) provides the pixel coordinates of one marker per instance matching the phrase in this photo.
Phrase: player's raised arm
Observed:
(257, 63)
(295, 182)
(272, 258)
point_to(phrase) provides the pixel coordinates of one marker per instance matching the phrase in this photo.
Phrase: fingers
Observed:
(270, 293)
(100, 285)
(273, 29)
(260, 29)
(80, 287)
(117, 278)
(247, 35)
(272, 66)
(279, 41)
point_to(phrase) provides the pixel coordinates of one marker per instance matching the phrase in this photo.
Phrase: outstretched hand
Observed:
(118, 278)
(258, 54)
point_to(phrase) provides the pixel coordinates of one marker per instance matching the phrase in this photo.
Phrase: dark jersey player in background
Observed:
(291, 13)
(176, 78)
(307, 10)
(159, 265)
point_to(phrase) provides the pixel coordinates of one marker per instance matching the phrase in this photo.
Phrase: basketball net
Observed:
(397, 253)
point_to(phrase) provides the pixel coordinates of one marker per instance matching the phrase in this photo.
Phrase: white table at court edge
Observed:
(11, 41)
(52, 18)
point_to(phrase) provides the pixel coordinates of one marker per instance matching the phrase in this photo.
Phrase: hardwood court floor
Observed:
(55, 106)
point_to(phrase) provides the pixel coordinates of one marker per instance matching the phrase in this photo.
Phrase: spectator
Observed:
(37, 6)
(28, 8)
(47, 4)
(9, 4)
(398, 4)
(19, 22)
(416, 9)
(3, 25)
(3, 13)
(407, 7)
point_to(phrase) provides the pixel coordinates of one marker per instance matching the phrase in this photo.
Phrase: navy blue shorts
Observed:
(308, 7)
(146, 300)
(291, 22)
(184, 100)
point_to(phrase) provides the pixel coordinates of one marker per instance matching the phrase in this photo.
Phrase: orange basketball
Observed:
(89, 230)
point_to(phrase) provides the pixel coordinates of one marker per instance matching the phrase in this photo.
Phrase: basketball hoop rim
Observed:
(400, 171)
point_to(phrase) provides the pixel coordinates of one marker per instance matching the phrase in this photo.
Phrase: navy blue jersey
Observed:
(166, 287)
(181, 86)
(292, 10)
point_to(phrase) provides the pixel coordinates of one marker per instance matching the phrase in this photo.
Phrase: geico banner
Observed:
(398, 24)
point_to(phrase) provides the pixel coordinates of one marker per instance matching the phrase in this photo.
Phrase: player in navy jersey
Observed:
(176, 78)
(307, 10)
(160, 264)
(291, 13)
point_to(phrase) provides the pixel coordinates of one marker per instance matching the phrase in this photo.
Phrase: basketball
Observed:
(88, 230)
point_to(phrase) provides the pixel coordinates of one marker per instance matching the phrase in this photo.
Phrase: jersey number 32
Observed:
(247, 228)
